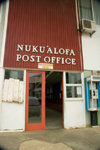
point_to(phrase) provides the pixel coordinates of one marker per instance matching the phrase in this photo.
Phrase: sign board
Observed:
(38, 36)
(45, 66)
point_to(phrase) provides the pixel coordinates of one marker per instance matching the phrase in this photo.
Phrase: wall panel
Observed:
(49, 23)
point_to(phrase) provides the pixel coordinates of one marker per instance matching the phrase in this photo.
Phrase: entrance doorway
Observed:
(53, 100)
(35, 101)
(37, 111)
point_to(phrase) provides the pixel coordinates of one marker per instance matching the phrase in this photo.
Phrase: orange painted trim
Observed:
(35, 126)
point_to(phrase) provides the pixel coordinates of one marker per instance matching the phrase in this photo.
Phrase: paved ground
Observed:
(62, 139)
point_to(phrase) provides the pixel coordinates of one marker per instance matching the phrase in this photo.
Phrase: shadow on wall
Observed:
(1, 148)
(1, 1)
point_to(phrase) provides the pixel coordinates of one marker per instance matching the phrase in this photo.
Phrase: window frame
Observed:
(92, 11)
(13, 70)
(72, 85)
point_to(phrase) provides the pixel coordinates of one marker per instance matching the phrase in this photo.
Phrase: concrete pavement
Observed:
(38, 145)
(57, 139)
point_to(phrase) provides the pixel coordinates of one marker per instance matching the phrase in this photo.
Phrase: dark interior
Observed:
(53, 100)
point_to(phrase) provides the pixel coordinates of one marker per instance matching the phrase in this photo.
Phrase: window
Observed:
(73, 85)
(15, 74)
(13, 87)
(96, 6)
(86, 9)
(73, 91)
(73, 78)
(90, 9)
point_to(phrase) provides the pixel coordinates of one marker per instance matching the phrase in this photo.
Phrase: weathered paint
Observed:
(42, 23)
(12, 116)
(13, 91)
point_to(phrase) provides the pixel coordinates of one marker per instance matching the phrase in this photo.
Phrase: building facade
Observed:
(91, 53)
(47, 62)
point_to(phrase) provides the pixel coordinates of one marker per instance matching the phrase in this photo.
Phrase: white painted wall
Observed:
(88, 118)
(91, 56)
(74, 109)
(3, 29)
(13, 114)
(91, 50)
(1, 87)
(87, 113)
(74, 114)
(4, 8)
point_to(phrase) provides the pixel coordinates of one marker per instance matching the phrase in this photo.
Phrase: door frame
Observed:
(35, 126)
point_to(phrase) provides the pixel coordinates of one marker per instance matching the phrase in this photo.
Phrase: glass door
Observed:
(35, 101)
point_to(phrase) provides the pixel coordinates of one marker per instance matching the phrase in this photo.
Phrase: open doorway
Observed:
(53, 100)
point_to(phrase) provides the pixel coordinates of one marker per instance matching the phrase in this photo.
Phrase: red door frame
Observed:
(35, 126)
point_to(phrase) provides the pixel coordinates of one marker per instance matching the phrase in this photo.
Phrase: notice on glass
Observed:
(79, 90)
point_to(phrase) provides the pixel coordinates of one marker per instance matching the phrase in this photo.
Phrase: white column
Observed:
(1, 87)
(4, 34)
(24, 96)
